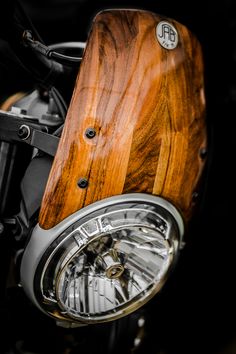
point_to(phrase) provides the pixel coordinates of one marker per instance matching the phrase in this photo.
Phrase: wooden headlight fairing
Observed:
(145, 107)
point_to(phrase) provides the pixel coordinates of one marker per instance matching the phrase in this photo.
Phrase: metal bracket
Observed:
(22, 128)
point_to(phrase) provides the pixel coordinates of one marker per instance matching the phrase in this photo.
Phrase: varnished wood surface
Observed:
(9, 102)
(147, 106)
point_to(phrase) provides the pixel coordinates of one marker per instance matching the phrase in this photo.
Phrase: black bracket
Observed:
(20, 128)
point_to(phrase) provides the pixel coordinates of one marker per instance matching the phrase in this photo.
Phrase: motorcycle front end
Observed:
(102, 161)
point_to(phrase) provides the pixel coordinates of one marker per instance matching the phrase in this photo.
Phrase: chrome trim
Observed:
(41, 239)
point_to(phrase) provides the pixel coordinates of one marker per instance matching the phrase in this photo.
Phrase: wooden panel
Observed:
(147, 106)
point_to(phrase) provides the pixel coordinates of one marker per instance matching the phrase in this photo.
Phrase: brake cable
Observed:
(49, 52)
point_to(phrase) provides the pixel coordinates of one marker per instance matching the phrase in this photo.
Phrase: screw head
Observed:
(90, 133)
(24, 132)
(83, 183)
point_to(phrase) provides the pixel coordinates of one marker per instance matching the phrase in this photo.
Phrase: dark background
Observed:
(196, 311)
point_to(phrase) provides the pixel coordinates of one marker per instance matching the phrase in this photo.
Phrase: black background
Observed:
(195, 312)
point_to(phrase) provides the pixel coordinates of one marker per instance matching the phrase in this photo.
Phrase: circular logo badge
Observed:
(167, 35)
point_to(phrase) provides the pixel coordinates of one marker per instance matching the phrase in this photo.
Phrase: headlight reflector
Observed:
(114, 256)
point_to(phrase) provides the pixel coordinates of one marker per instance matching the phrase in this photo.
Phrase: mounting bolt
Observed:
(83, 183)
(90, 133)
(24, 132)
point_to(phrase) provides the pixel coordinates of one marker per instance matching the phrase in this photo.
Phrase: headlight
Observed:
(104, 261)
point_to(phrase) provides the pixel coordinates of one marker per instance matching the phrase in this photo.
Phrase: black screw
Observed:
(83, 183)
(24, 132)
(203, 153)
(90, 133)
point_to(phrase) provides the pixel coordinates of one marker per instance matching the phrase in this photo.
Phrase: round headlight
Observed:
(106, 261)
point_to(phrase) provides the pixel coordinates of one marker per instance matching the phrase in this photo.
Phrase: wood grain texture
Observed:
(147, 106)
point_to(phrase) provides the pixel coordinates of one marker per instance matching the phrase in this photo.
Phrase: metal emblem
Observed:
(167, 35)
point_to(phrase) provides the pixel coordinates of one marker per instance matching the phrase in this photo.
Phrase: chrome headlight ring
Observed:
(104, 261)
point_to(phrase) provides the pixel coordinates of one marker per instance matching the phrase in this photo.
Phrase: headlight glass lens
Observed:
(109, 263)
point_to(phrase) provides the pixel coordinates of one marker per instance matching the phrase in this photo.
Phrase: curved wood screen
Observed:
(135, 121)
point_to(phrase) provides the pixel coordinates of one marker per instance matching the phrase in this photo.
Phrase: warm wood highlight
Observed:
(11, 100)
(147, 106)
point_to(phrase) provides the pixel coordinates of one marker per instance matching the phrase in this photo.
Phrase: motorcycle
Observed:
(102, 162)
